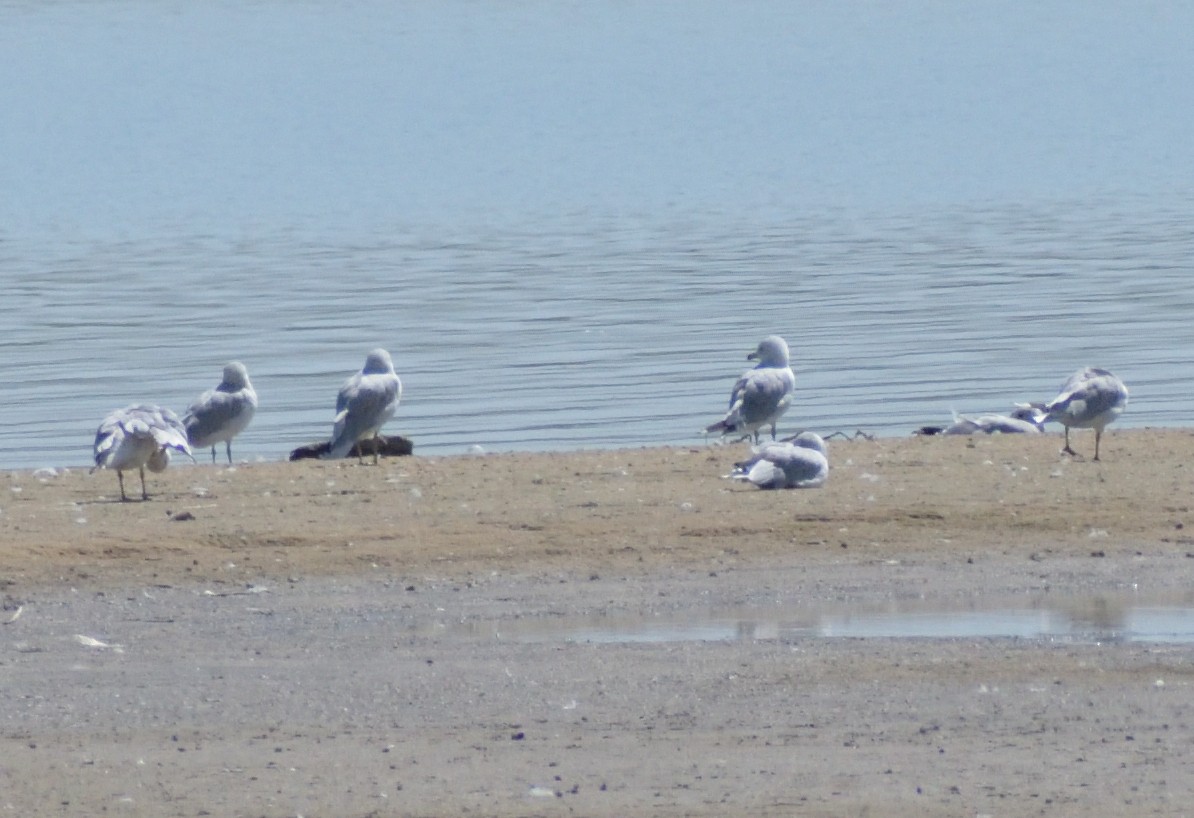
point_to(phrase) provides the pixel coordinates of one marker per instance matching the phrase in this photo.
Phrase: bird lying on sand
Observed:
(1020, 421)
(799, 463)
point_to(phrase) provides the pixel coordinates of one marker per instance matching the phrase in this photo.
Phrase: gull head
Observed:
(811, 440)
(772, 351)
(235, 375)
(378, 363)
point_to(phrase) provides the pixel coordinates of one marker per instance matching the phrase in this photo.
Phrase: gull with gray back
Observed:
(1090, 399)
(139, 437)
(366, 401)
(222, 413)
(761, 396)
(799, 463)
(1020, 421)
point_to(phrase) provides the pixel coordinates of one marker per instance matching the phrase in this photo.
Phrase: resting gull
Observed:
(1020, 421)
(366, 401)
(799, 463)
(1090, 399)
(222, 413)
(762, 394)
(136, 437)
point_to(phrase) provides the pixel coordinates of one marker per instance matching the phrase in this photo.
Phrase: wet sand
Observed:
(320, 638)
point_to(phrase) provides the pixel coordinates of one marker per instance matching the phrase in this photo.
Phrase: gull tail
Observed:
(341, 442)
(740, 472)
(339, 447)
(722, 427)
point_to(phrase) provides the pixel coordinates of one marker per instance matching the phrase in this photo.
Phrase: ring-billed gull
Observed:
(1020, 421)
(139, 436)
(222, 413)
(366, 401)
(1090, 399)
(801, 463)
(762, 394)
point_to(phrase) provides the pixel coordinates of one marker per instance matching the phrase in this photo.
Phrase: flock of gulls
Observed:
(142, 436)
(1090, 399)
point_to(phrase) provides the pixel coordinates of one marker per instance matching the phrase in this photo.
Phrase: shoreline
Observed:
(327, 638)
(648, 507)
(886, 433)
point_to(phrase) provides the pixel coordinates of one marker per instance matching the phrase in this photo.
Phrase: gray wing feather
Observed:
(804, 467)
(212, 413)
(361, 407)
(763, 392)
(784, 465)
(107, 438)
(1097, 389)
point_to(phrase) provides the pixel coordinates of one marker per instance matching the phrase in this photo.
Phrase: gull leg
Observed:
(773, 431)
(1098, 437)
(144, 493)
(120, 476)
(376, 449)
(227, 448)
(213, 453)
(1067, 449)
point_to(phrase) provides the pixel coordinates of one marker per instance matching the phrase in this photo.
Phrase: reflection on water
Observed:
(1102, 618)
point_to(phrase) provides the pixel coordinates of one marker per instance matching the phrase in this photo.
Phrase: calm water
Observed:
(569, 222)
(1108, 617)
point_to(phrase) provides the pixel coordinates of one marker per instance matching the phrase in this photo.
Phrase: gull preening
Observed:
(139, 436)
(220, 414)
(366, 401)
(1090, 399)
(762, 394)
(799, 463)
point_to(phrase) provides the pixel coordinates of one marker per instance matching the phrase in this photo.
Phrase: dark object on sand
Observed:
(392, 446)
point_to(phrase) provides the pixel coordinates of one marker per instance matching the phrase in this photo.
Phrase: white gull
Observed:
(801, 463)
(138, 436)
(1090, 399)
(1020, 421)
(220, 414)
(762, 394)
(366, 401)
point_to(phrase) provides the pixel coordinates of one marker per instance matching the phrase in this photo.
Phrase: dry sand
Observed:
(335, 639)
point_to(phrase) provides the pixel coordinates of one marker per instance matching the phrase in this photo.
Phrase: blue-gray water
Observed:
(1157, 616)
(569, 222)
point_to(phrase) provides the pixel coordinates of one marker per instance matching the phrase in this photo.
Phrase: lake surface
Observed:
(570, 222)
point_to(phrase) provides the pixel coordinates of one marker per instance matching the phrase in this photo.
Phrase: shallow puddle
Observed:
(1103, 618)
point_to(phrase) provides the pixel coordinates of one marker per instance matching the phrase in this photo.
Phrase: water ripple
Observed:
(571, 338)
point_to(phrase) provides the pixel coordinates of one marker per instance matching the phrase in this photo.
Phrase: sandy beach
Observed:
(449, 635)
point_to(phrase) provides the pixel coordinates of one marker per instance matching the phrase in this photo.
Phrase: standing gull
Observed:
(222, 413)
(138, 436)
(1091, 398)
(366, 401)
(801, 463)
(762, 394)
